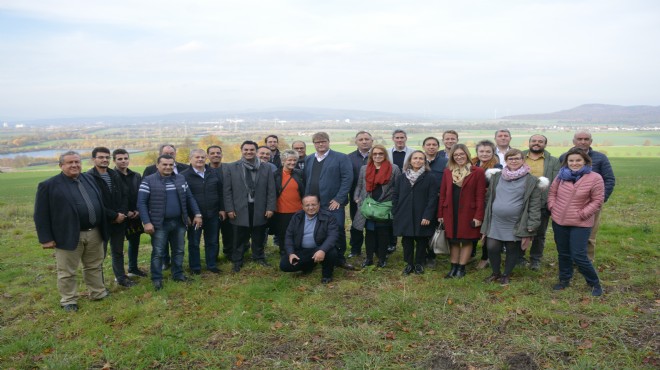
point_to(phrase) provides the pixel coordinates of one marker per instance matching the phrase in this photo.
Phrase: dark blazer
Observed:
(471, 204)
(357, 161)
(236, 195)
(115, 200)
(150, 170)
(335, 180)
(411, 204)
(207, 191)
(326, 231)
(56, 216)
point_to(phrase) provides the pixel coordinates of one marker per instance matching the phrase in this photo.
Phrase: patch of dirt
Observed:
(444, 362)
(521, 361)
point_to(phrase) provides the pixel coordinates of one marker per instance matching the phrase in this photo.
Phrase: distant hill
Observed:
(600, 113)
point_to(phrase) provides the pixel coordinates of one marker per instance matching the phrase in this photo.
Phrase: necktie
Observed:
(88, 202)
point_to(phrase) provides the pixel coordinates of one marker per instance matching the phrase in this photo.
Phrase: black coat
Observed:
(411, 204)
(207, 191)
(296, 175)
(55, 213)
(115, 200)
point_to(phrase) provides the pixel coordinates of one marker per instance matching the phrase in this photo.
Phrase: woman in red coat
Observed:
(461, 206)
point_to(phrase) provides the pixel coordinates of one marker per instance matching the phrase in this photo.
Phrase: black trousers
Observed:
(495, 255)
(357, 236)
(307, 264)
(377, 241)
(414, 249)
(117, 236)
(227, 232)
(280, 223)
(242, 234)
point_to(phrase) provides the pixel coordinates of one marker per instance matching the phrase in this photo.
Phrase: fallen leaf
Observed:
(239, 360)
(430, 332)
(277, 325)
(388, 348)
(414, 315)
(407, 330)
(553, 301)
(584, 324)
(546, 321)
(315, 358)
(184, 353)
(450, 302)
(47, 350)
(519, 311)
(553, 339)
(390, 335)
(586, 344)
(106, 366)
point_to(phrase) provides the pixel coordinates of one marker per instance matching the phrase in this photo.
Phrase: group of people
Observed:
(503, 196)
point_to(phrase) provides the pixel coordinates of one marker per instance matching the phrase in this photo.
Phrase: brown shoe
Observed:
(492, 278)
(504, 280)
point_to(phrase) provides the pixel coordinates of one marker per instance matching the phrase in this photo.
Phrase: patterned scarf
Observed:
(375, 177)
(413, 175)
(486, 165)
(510, 175)
(459, 174)
(566, 174)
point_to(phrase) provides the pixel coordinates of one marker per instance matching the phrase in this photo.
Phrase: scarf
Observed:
(374, 178)
(413, 175)
(566, 174)
(486, 165)
(509, 175)
(459, 174)
(250, 176)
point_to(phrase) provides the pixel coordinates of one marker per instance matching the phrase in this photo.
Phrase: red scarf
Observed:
(381, 177)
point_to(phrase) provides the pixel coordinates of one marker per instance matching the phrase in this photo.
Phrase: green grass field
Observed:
(373, 318)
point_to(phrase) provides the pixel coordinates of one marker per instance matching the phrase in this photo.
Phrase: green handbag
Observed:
(376, 211)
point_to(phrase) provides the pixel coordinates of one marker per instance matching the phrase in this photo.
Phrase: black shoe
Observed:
(452, 272)
(504, 280)
(326, 280)
(196, 272)
(158, 285)
(419, 269)
(237, 267)
(596, 290)
(366, 263)
(182, 279)
(262, 263)
(381, 264)
(137, 273)
(70, 307)
(351, 255)
(408, 269)
(215, 270)
(391, 249)
(492, 278)
(460, 272)
(561, 285)
(125, 282)
(346, 266)
(535, 265)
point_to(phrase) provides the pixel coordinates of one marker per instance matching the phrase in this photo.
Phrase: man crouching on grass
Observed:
(310, 239)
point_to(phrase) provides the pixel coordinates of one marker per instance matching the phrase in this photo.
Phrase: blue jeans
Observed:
(572, 249)
(133, 249)
(172, 232)
(210, 228)
(340, 215)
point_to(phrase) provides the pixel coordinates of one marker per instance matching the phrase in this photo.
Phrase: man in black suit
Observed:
(166, 149)
(69, 216)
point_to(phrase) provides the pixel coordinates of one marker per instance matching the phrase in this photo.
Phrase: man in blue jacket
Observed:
(601, 165)
(164, 203)
(329, 175)
(310, 239)
(70, 217)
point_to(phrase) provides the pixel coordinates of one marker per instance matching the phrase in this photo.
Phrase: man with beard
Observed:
(214, 153)
(541, 164)
(249, 194)
(271, 142)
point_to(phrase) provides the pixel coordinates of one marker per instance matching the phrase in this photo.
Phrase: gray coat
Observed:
(361, 193)
(236, 193)
(530, 219)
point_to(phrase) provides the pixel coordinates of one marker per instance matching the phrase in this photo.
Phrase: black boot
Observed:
(460, 271)
(452, 272)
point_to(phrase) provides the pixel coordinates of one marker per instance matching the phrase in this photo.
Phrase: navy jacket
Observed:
(56, 216)
(601, 165)
(335, 180)
(152, 199)
(150, 170)
(326, 231)
(207, 191)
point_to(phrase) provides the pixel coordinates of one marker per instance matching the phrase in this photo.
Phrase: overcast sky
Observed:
(460, 59)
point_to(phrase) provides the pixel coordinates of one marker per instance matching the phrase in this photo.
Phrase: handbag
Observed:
(376, 211)
(439, 240)
(134, 226)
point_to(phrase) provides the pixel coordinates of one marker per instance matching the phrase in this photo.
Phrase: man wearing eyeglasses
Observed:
(329, 175)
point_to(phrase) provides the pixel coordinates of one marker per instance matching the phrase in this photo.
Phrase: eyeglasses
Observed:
(514, 159)
(378, 154)
(458, 155)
